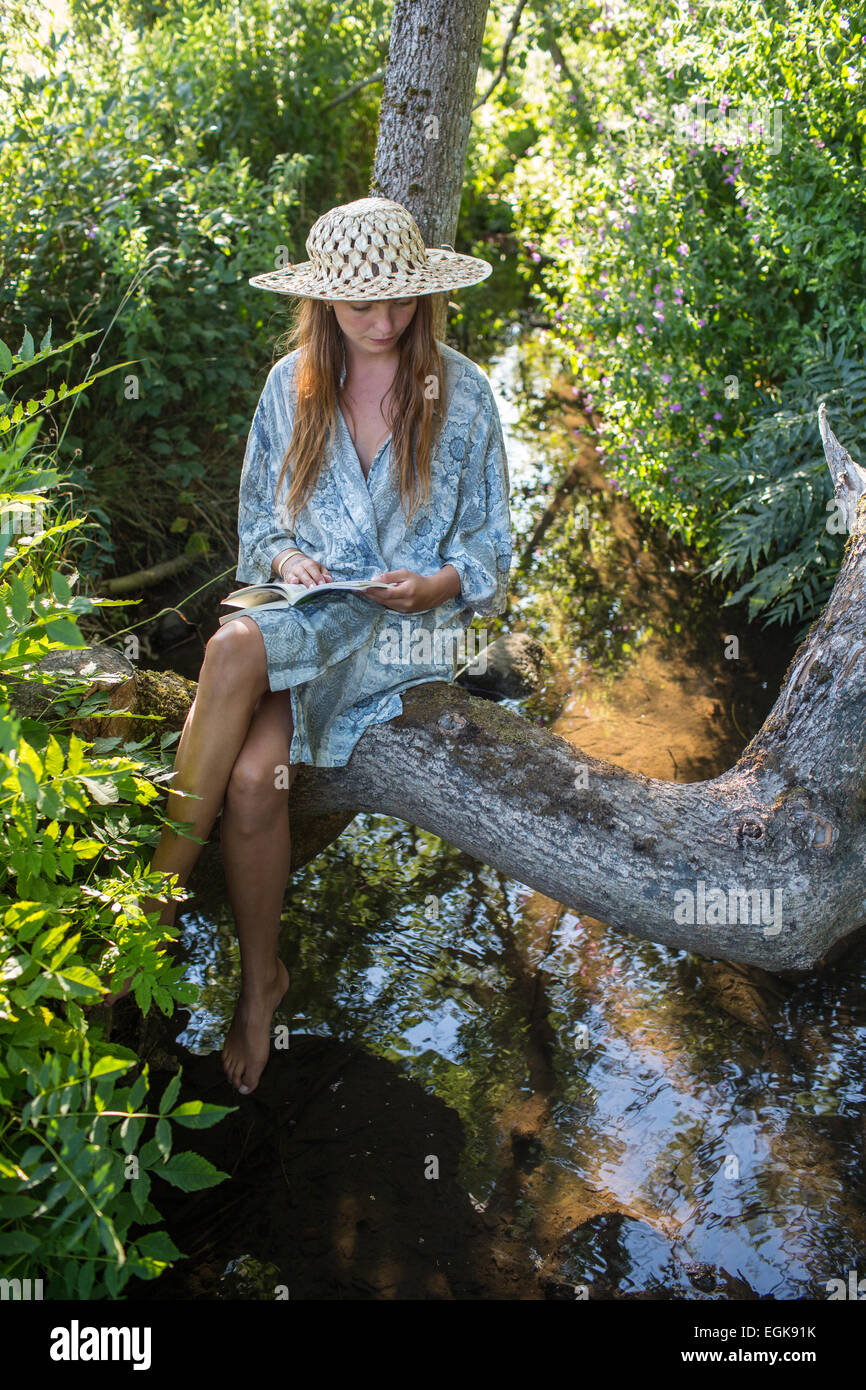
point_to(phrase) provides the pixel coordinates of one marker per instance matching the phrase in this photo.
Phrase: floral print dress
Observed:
(344, 658)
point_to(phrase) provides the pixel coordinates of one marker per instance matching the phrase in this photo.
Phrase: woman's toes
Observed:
(247, 1046)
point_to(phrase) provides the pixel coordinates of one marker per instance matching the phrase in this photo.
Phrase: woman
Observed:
(374, 452)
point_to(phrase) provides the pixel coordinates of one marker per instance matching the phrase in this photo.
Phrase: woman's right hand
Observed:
(300, 569)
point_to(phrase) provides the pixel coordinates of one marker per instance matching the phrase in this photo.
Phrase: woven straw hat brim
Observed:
(445, 270)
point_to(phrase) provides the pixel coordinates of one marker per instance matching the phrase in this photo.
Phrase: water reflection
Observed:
(632, 1130)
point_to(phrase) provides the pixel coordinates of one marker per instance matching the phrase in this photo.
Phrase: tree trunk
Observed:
(665, 861)
(426, 115)
(787, 821)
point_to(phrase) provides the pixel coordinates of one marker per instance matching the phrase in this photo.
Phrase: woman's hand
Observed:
(300, 569)
(415, 593)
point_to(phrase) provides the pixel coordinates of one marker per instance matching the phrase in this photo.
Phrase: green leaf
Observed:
(139, 1091)
(163, 1137)
(87, 849)
(22, 1243)
(86, 1276)
(130, 1133)
(149, 1155)
(109, 1066)
(15, 1206)
(170, 1094)
(198, 1114)
(152, 1254)
(78, 981)
(64, 630)
(60, 587)
(19, 600)
(111, 1242)
(190, 1172)
(143, 992)
(157, 1245)
(105, 793)
(53, 758)
(140, 1188)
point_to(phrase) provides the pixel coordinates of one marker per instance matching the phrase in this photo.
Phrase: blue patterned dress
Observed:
(345, 658)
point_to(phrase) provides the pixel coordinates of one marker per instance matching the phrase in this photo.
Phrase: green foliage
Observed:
(692, 256)
(149, 172)
(74, 1177)
(77, 821)
(784, 534)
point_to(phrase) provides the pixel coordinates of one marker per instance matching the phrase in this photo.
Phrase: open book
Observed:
(279, 594)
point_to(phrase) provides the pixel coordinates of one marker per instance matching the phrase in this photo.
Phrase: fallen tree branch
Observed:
(146, 579)
(764, 865)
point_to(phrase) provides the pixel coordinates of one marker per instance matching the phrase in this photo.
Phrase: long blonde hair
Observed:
(415, 403)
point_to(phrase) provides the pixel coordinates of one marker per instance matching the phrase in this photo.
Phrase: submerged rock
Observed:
(509, 668)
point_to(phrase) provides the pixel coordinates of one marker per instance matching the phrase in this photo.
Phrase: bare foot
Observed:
(248, 1042)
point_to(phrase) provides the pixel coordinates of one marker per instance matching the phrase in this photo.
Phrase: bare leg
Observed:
(256, 849)
(233, 676)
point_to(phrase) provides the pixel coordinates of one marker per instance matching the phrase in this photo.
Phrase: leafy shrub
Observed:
(156, 159)
(782, 534)
(77, 819)
(693, 256)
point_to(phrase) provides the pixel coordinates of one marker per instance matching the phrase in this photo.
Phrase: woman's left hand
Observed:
(414, 592)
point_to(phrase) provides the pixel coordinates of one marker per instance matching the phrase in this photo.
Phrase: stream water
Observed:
(630, 1117)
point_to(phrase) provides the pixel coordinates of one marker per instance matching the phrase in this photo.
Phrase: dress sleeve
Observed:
(478, 544)
(262, 532)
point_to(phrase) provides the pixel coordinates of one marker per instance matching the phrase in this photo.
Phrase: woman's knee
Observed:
(257, 788)
(236, 655)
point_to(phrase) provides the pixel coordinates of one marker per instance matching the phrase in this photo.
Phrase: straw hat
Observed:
(372, 249)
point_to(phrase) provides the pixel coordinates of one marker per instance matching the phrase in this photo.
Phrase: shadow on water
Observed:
(486, 1095)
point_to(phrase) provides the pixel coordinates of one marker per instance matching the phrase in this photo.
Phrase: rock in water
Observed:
(509, 668)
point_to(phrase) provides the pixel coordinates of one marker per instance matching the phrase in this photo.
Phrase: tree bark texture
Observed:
(426, 114)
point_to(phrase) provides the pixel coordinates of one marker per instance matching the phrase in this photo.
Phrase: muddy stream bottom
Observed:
(476, 1093)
